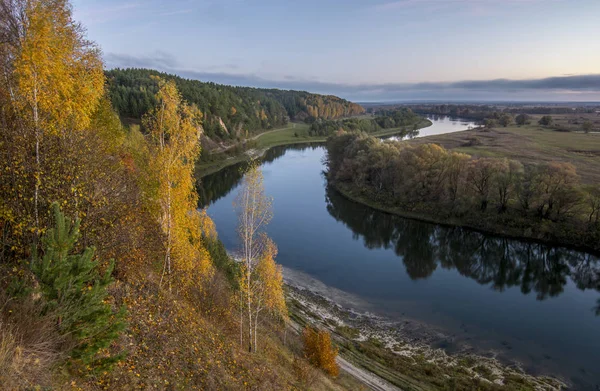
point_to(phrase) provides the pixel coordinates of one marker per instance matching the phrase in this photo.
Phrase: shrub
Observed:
(319, 350)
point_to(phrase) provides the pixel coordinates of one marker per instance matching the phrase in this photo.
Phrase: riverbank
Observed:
(289, 135)
(501, 230)
(401, 353)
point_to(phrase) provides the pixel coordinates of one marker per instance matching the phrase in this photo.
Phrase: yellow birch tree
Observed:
(174, 128)
(254, 213)
(54, 77)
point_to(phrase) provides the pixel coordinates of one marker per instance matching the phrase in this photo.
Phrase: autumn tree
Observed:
(266, 287)
(319, 350)
(254, 213)
(54, 76)
(174, 130)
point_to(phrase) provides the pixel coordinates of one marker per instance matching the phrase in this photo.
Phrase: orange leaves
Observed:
(319, 350)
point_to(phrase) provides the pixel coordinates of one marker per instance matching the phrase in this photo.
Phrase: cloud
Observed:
(570, 87)
(159, 60)
(472, 7)
(97, 14)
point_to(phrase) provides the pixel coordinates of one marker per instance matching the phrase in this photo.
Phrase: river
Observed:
(520, 301)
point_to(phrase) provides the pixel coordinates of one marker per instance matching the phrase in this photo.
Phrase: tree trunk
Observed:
(38, 174)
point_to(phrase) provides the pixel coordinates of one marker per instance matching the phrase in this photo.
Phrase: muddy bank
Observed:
(407, 353)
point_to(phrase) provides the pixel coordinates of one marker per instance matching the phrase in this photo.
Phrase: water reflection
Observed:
(499, 262)
(215, 186)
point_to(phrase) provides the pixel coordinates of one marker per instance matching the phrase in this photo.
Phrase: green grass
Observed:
(530, 144)
(293, 133)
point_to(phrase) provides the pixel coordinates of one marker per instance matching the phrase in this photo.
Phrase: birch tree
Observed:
(53, 74)
(174, 129)
(254, 210)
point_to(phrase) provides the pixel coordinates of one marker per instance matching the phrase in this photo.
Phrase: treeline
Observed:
(229, 112)
(544, 201)
(480, 112)
(385, 119)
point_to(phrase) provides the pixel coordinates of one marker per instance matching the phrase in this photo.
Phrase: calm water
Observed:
(525, 301)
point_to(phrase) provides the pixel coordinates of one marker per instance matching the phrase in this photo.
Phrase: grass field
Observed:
(571, 122)
(529, 144)
(293, 133)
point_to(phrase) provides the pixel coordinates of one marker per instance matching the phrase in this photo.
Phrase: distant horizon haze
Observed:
(380, 50)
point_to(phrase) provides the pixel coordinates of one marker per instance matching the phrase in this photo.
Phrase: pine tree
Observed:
(75, 292)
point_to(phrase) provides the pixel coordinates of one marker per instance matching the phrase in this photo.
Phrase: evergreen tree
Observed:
(75, 292)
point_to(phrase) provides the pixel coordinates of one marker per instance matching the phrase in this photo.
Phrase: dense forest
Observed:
(229, 112)
(544, 201)
(384, 119)
(110, 275)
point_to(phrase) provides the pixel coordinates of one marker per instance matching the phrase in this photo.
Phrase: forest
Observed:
(544, 201)
(384, 119)
(229, 112)
(111, 277)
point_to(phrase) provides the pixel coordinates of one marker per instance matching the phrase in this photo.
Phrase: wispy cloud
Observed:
(176, 12)
(434, 5)
(102, 13)
(586, 87)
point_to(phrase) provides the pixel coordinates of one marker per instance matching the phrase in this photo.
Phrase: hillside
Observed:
(229, 112)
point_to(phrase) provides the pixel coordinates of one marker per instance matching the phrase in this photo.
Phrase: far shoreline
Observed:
(422, 217)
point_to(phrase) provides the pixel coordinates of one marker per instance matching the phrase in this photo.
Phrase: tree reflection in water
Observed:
(215, 186)
(500, 262)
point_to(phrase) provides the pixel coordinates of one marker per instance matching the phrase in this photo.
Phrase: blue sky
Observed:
(362, 50)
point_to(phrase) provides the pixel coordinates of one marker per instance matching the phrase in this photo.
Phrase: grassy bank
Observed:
(293, 133)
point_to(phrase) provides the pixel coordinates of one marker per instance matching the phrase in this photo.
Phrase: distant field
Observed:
(529, 144)
(572, 122)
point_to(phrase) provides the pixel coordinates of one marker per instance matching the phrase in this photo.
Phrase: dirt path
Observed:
(371, 380)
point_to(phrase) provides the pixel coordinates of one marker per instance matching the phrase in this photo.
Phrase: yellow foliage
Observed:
(58, 73)
(319, 351)
(174, 128)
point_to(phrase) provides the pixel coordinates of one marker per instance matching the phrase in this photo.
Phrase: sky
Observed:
(379, 50)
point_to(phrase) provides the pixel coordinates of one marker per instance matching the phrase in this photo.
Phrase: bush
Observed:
(319, 350)
(304, 372)
(472, 142)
